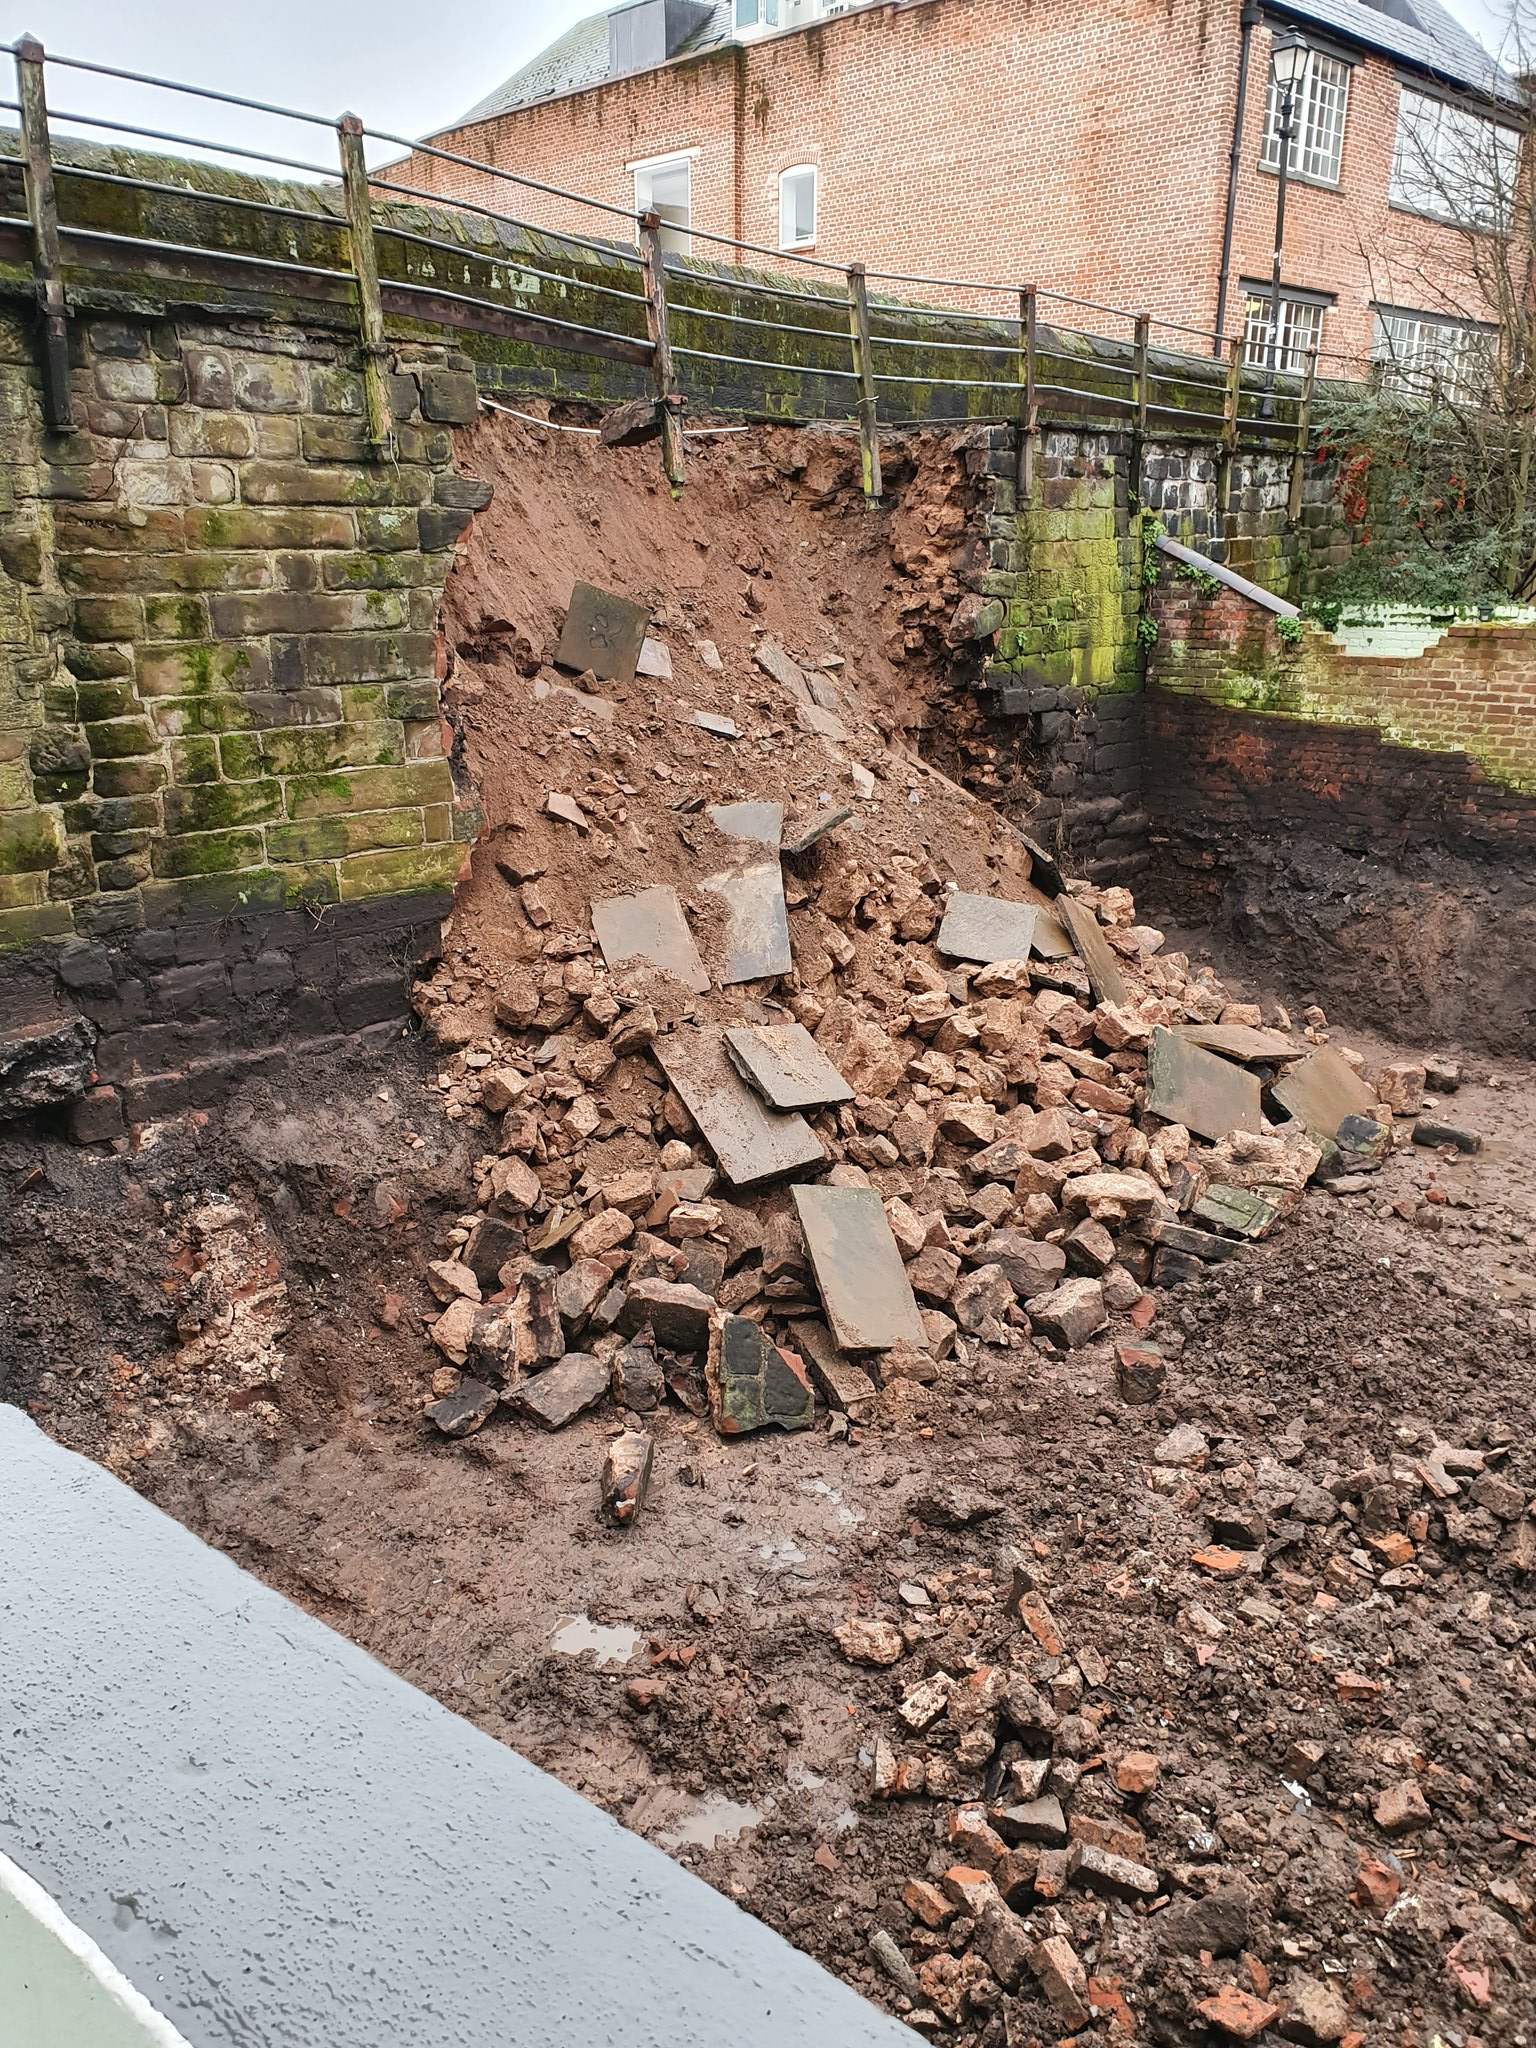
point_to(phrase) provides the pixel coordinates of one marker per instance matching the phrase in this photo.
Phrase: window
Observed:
(665, 186)
(797, 207)
(1431, 357)
(757, 13)
(1318, 100)
(1301, 330)
(1452, 163)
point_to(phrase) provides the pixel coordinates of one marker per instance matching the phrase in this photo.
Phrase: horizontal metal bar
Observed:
(200, 92)
(323, 220)
(949, 284)
(675, 306)
(955, 383)
(613, 251)
(465, 254)
(978, 348)
(196, 249)
(762, 249)
(449, 156)
(255, 156)
(418, 301)
(705, 355)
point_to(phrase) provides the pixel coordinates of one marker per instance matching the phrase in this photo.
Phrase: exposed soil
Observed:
(1314, 1736)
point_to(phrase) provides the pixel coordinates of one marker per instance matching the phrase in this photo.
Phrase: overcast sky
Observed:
(409, 66)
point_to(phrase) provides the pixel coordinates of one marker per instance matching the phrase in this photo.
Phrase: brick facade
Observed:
(1084, 149)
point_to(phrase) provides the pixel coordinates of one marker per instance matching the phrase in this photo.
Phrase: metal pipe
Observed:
(1249, 19)
(1287, 112)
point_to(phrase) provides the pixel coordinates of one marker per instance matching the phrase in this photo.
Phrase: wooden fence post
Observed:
(864, 370)
(43, 212)
(1303, 428)
(370, 304)
(1029, 417)
(1142, 347)
(1229, 429)
(669, 403)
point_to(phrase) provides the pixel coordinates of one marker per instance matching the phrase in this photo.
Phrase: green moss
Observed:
(195, 760)
(29, 843)
(218, 806)
(206, 853)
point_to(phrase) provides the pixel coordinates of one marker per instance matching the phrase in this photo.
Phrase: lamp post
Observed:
(1287, 61)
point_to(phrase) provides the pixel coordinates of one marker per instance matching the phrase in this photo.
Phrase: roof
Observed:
(578, 59)
(1417, 32)
(1420, 33)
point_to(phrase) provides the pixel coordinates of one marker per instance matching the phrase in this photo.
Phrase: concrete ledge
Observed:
(279, 1842)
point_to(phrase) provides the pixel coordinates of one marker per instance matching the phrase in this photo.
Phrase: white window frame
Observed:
(811, 171)
(766, 18)
(1319, 113)
(1301, 329)
(675, 238)
(1430, 354)
(1440, 144)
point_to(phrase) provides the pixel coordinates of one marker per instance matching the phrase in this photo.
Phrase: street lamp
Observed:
(1288, 55)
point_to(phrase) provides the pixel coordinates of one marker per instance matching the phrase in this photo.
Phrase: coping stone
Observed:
(863, 1283)
(1206, 1093)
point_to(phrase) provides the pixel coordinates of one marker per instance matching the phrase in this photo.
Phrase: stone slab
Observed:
(864, 1287)
(987, 928)
(785, 670)
(1051, 938)
(712, 722)
(818, 829)
(649, 926)
(762, 823)
(1235, 1209)
(603, 633)
(841, 1384)
(1206, 1093)
(1244, 1042)
(786, 1066)
(1104, 976)
(750, 1142)
(757, 923)
(813, 718)
(1321, 1090)
(654, 659)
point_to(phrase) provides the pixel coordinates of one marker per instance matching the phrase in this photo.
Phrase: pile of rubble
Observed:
(797, 1115)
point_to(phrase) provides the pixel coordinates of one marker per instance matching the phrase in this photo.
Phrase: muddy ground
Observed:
(720, 1719)
(1266, 1638)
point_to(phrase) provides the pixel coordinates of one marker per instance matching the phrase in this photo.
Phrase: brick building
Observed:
(1122, 153)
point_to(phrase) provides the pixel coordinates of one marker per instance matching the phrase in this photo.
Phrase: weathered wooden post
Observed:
(864, 370)
(43, 212)
(1029, 415)
(1303, 428)
(370, 304)
(669, 403)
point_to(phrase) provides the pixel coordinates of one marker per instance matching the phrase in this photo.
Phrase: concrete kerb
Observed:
(276, 1840)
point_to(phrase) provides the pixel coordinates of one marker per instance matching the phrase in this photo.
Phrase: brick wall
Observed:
(1082, 148)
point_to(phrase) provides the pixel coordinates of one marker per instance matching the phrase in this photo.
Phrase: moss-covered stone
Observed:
(27, 927)
(207, 853)
(409, 872)
(217, 806)
(29, 842)
(334, 838)
(313, 750)
(370, 789)
(195, 760)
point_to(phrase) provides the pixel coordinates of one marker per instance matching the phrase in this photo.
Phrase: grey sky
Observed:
(405, 65)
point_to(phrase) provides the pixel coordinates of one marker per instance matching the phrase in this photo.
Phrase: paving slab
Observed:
(757, 923)
(1052, 941)
(863, 1283)
(649, 926)
(762, 823)
(1199, 1089)
(987, 928)
(813, 718)
(1104, 976)
(1244, 1042)
(750, 1142)
(786, 1066)
(785, 670)
(1323, 1089)
(712, 722)
(654, 659)
(603, 633)
(818, 829)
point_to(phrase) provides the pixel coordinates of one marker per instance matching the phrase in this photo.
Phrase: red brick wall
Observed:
(1082, 148)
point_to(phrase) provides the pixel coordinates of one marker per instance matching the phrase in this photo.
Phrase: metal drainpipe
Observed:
(1249, 20)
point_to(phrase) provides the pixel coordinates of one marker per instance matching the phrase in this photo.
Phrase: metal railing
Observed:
(823, 339)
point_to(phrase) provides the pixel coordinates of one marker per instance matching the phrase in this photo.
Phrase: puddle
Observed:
(781, 1556)
(715, 1821)
(847, 1516)
(575, 1633)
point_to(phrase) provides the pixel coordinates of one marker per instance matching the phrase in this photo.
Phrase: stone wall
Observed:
(221, 741)
(1062, 689)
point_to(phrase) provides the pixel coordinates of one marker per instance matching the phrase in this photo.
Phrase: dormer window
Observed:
(752, 14)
